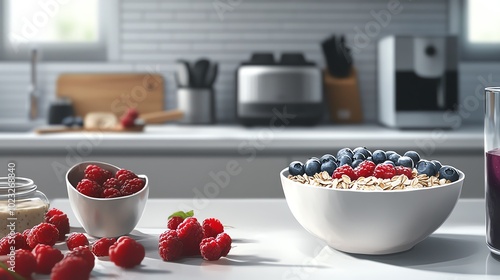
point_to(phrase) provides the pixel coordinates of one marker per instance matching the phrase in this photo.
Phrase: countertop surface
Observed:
(270, 244)
(178, 138)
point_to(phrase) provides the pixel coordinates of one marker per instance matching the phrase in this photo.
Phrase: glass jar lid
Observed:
(19, 186)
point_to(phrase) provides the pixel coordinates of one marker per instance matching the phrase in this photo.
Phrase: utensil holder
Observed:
(197, 104)
(342, 96)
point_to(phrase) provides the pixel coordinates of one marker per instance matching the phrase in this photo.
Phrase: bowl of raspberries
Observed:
(371, 201)
(107, 200)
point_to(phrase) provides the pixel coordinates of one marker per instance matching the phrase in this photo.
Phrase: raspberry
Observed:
(6, 275)
(132, 186)
(174, 222)
(76, 239)
(111, 192)
(73, 268)
(365, 169)
(212, 227)
(84, 253)
(224, 241)
(126, 252)
(401, 170)
(210, 249)
(24, 265)
(166, 234)
(26, 232)
(4, 246)
(89, 188)
(43, 233)
(170, 247)
(112, 183)
(52, 212)
(127, 121)
(46, 257)
(123, 175)
(101, 246)
(17, 240)
(132, 113)
(61, 222)
(344, 170)
(190, 233)
(384, 171)
(97, 174)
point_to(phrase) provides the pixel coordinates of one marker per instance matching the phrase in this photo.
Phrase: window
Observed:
(62, 29)
(480, 36)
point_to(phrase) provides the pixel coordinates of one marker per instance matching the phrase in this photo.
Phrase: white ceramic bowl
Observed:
(105, 217)
(370, 222)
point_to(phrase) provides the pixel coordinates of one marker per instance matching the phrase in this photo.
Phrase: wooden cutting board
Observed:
(112, 92)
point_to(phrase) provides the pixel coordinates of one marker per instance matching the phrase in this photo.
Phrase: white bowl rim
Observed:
(146, 185)
(460, 178)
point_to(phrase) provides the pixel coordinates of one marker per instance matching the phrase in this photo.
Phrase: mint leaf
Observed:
(182, 214)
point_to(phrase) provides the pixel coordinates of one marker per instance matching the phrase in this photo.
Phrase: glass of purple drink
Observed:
(492, 166)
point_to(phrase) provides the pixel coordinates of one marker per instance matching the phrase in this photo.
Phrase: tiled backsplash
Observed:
(154, 33)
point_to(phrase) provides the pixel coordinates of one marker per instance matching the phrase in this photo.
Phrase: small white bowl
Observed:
(370, 222)
(105, 217)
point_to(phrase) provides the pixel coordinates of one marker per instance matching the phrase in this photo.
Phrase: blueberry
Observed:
(345, 152)
(437, 164)
(405, 161)
(389, 162)
(426, 167)
(369, 159)
(326, 158)
(312, 166)
(379, 156)
(394, 157)
(362, 150)
(296, 168)
(356, 163)
(359, 156)
(388, 153)
(68, 121)
(449, 173)
(345, 159)
(78, 121)
(413, 155)
(329, 166)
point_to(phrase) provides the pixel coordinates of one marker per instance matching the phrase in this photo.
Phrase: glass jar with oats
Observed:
(22, 206)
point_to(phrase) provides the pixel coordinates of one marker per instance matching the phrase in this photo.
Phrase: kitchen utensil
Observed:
(337, 55)
(264, 91)
(370, 222)
(211, 75)
(105, 217)
(183, 74)
(200, 69)
(112, 92)
(64, 129)
(33, 90)
(197, 104)
(58, 110)
(418, 81)
(343, 98)
(492, 163)
(261, 59)
(294, 59)
(161, 117)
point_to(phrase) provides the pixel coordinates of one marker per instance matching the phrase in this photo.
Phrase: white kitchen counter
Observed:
(209, 139)
(270, 244)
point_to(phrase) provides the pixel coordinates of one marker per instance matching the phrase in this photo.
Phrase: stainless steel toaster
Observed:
(288, 92)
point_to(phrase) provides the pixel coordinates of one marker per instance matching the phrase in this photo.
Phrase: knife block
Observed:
(342, 96)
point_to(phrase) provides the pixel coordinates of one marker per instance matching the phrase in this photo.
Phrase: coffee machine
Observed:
(418, 81)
